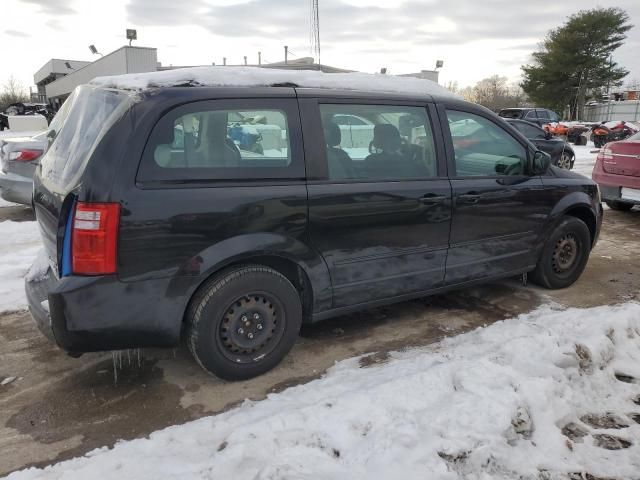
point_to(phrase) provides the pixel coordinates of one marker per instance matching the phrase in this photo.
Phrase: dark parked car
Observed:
(158, 226)
(617, 171)
(539, 116)
(562, 155)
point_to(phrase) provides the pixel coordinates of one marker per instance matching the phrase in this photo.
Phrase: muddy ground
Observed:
(59, 407)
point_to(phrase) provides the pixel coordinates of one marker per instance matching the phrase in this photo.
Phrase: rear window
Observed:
(83, 120)
(511, 113)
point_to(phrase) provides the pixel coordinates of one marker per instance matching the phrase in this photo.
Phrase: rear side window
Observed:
(377, 142)
(544, 114)
(513, 113)
(213, 141)
(531, 115)
(85, 117)
(482, 148)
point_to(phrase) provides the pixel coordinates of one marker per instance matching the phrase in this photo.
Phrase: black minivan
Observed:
(228, 216)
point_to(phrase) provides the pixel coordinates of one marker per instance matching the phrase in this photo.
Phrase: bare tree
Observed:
(495, 93)
(12, 92)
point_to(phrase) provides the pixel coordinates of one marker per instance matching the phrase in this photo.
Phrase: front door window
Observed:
(482, 148)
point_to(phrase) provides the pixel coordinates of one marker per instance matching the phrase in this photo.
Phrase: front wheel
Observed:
(565, 161)
(243, 322)
(564, 255)
(617, 205)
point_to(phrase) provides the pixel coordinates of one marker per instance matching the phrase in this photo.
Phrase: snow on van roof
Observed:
(263, 77)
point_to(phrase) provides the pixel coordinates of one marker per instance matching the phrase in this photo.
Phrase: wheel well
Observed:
(587, 216)
(290, 269)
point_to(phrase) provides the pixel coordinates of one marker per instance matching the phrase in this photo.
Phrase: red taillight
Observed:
(25, 155)
(94, 242)
(606, 153)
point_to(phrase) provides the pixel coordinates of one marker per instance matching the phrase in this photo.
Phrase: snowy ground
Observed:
(4, 203)
(585, 160)
(19, 245)
(542, 396)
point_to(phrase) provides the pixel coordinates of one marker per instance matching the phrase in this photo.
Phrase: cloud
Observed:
(411, 21)
(53, 7)
(16, 33)
(397, 32)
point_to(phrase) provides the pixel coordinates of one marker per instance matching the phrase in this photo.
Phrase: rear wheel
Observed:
(564, 255)
(243, 322)
(618, 205)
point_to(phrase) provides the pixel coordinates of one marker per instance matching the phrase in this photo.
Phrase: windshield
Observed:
(76, 130)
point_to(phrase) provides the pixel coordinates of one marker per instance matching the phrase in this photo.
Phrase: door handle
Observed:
(469, 198)
(432, 199)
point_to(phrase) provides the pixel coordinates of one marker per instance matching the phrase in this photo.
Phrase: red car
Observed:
(617, 171)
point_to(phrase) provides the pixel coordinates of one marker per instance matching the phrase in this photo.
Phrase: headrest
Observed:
(162, 155)
(332, 134)
(386, 137)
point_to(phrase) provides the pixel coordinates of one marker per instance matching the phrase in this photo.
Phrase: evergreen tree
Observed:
(576, 57)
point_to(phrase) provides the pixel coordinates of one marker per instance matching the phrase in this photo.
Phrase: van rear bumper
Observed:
(89, 314)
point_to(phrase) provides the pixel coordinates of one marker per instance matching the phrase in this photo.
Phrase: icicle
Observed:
(115, 368)
(129, 356)
(139, 364)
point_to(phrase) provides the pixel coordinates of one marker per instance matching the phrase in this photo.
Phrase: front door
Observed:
(499, 208)
(379, 198)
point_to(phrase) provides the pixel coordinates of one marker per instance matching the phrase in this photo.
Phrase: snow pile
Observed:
(10, 134)
(4, 203)
(19, 246)
(261, 77)
(525, 398)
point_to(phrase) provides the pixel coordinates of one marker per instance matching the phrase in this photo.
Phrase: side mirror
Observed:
(541, 162)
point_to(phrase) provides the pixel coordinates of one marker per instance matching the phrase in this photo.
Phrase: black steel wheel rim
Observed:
(565, 254)
(251, 327)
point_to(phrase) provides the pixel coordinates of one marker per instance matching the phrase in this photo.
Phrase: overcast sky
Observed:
(476, 39)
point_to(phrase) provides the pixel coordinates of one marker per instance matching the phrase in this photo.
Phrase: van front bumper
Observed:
(89, 314)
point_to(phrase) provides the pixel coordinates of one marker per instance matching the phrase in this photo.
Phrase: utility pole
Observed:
(245, 60)
(286, 54)
(259, 58)
(315, 30)
(224, 61)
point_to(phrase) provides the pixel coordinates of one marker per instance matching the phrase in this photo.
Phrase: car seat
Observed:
(338, 161)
